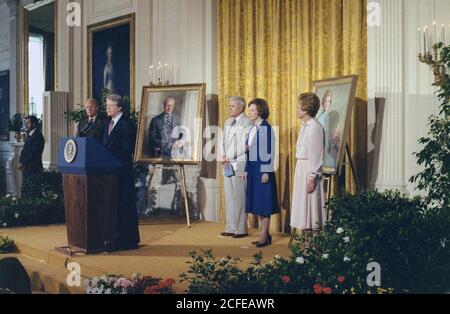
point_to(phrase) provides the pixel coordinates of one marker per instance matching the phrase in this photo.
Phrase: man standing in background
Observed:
(30, 162)
(235, 131)
(93, 125)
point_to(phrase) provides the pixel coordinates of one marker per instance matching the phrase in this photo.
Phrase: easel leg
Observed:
(185, 195)
(293, 235)
(328, 178)
(329, 189)
(151, 173)
(350, 160)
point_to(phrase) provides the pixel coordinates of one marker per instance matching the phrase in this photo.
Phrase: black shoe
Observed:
(267, 243)
(238, 236)
(226, 234)
(155, 212)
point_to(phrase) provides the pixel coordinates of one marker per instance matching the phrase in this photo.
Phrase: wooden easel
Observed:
(328, 177)
(183, 184)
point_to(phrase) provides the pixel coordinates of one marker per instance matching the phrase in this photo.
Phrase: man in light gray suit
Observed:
(234, 159)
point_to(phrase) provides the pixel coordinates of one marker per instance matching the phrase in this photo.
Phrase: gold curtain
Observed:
(274, 49)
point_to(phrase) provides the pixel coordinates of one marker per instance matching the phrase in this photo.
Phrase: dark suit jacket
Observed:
(161, 137)
(121, 143)
(93, 131)
(31, 155)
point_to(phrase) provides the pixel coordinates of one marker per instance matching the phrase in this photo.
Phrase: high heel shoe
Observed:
(268, 242)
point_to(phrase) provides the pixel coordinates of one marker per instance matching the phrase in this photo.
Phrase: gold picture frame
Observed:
(108, 25)
(337, 96)
(189, 100)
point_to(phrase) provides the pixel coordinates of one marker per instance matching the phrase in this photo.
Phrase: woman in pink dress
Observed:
(308, 213)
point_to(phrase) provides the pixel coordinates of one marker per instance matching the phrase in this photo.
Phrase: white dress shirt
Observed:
(116, 119)
(31, 132)
(253, 132)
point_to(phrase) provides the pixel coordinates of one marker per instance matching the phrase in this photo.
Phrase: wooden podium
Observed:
(90, 195)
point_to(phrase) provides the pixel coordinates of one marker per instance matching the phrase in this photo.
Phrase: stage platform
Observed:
(165, 244)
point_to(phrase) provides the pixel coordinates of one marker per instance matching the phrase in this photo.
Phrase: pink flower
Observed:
(341, 279)
(286, 279)
(123, 282)
(318, 288)
(152, 290)
(327, 290)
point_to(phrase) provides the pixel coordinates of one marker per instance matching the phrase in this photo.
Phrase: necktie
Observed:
(234, 122)
(111, 126)
(169, 121)
(91, 121)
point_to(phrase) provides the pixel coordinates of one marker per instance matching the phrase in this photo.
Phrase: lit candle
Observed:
(166, 73)
(443, 34)
(425, 39)
(429, 39)
(150, 71)
(160, 71)
(419, 43)
(435, 33)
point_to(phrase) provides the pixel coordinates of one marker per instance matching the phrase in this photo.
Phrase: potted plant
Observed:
(15, 124)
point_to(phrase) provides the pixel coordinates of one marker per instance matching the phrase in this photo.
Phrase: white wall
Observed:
(396, 75)
(9, 55)
(178, 32)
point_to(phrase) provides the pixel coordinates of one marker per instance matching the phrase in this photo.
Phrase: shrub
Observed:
(405, 238)
(435, 155)
(401, 235)
(42, 202)
(15, 212)
(43, 184)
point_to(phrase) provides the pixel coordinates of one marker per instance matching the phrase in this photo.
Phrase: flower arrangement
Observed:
(7, 245)
(138, 284)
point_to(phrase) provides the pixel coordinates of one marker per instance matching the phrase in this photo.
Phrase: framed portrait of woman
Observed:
(337, 97)
(170, 124)
(111, 55)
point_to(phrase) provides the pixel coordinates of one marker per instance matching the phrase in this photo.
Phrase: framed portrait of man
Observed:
(337, 97)
(170, 124)
(111, 57)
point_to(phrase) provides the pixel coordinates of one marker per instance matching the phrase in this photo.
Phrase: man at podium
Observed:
(119, 139)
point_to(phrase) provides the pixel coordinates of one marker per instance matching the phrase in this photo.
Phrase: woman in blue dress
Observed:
(262, 197)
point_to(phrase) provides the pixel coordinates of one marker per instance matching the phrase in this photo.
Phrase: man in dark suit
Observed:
(93, 125)
(119, 138)
(30, 161)
(161, 140)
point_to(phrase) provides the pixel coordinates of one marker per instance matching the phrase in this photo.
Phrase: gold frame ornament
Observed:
(330, 84)
(91, 29)
(144, 118)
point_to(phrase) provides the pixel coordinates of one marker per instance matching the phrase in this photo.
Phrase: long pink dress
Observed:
(308, 211)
